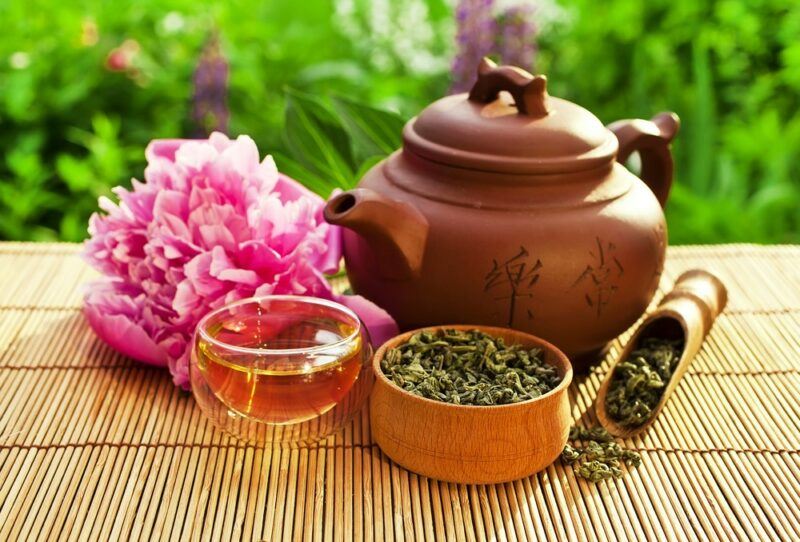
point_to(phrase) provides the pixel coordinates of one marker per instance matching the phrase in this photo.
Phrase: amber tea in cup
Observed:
(281, 368)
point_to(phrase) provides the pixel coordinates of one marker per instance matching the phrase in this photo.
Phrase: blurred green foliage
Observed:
(71, 128)
(731, 70)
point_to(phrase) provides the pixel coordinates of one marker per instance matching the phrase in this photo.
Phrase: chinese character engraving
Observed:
(513, 278)
(600, 276)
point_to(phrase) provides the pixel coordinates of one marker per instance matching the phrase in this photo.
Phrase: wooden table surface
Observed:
(95, 446)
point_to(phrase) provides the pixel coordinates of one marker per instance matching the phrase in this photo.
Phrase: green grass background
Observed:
(70, 129)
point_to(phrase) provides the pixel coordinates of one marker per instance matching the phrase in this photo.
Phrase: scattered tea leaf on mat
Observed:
(600, 458)
(570, 455)
(597, 471)
(639, 381)
(468, 368)
(597, 434)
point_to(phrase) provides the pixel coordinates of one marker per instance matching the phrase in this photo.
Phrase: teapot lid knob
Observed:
(529, 92)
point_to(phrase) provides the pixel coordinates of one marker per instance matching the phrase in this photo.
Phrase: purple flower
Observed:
(517, 36)
(209, 107)
(475, 39)
(212, 224)
(511, 35)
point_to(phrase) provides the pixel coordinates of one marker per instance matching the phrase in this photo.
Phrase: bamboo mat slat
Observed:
(94, 446)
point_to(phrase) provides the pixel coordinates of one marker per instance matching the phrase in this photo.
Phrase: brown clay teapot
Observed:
(509, 207)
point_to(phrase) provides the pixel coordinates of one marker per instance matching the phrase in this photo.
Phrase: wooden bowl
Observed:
(466, 443)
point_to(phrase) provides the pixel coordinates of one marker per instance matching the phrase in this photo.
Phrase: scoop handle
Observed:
(704, 290)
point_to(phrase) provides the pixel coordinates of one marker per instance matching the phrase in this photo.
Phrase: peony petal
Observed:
(195, 154)
(216, 235)
(115, 323)
(290, 190)
(179, 367)
(219, 141)
(380, 325)
(173, 203)
(186, 298)
(331, 260)
(258, 256)
(125, 337)
(241, 156)
(163, 148)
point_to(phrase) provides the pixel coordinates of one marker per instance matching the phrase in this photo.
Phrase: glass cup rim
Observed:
(201, 326)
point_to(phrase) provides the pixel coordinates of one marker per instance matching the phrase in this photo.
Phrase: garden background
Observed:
(324, 86)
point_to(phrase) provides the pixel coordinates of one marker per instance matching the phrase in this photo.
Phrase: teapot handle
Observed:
(651, 138)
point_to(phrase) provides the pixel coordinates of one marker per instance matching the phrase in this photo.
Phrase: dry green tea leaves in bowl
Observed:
(639, 381)
(468, 368)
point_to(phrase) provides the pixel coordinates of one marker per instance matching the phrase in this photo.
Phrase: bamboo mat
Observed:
(94, 446)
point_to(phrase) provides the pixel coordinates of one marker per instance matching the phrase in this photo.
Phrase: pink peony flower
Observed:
(212, 224)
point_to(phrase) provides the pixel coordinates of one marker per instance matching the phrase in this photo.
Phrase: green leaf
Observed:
(19, 95)
(27, 166)
(317, 140)
(373, 132)
(73, 226)
(76, 173)
(771, 199)
(702, 135)
(297, 171)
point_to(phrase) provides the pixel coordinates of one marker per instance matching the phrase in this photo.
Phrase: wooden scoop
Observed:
(687, 313)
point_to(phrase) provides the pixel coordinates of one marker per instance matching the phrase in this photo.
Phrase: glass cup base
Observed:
(288, 434)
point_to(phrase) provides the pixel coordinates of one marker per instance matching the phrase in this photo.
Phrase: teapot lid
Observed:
(521, 130)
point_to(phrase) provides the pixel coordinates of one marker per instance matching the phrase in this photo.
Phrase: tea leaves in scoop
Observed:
(639, 381)
(468, 368)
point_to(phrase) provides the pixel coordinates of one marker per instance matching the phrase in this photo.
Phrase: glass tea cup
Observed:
(281, 369)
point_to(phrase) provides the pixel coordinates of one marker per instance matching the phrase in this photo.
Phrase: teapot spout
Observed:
(395, 231)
